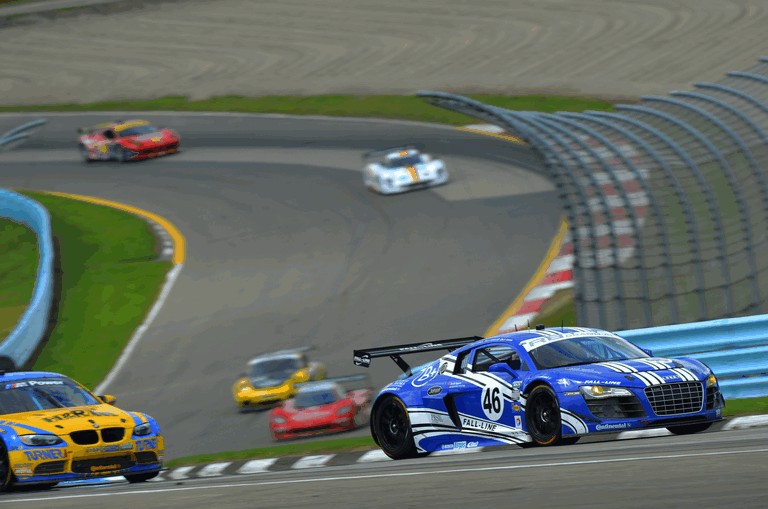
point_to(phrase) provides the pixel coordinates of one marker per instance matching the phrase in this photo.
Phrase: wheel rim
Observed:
(546, 418)
(393, 424)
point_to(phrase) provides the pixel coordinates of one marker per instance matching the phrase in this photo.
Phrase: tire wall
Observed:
(17, 349)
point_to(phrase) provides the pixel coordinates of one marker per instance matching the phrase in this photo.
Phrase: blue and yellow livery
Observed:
(52, 429)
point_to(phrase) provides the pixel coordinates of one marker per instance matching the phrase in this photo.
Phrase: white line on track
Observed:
(397, 474)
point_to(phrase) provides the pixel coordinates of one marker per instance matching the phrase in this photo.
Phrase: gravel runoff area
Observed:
(198, 48)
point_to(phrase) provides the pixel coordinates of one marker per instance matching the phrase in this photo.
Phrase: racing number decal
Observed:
(493, 401)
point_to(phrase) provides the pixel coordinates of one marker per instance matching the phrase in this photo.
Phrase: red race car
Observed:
(130, 140)
(326, 406)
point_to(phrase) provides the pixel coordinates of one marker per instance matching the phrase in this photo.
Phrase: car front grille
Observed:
(675, 398)
(112, 434)
(91, 436)
(623, 407)
(50, 467)
(100, 465)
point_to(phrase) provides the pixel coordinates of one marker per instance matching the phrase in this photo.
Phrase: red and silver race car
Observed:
(326, 406)
(130, 140)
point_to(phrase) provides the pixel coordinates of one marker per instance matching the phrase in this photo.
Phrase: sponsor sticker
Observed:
(604, 427)
(435, 390)
(478, 424)
(146, 444)
(518, 421)
(362, 360)
(425, 376)
(45, 454)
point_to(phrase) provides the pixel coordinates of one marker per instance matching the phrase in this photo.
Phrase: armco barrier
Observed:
(20, 134)
(735, 348)
(17, 349)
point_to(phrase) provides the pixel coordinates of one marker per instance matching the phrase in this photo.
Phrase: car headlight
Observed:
(344, 410)
(278, 420)
(143, 429)
(602, 391)
(711, 380)
(36, 440)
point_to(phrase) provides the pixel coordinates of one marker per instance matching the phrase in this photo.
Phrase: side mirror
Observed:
(502, 367)
(108, 399)
(648, 351)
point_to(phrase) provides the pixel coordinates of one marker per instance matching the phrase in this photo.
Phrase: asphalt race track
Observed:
(287, 248)
(709, 470)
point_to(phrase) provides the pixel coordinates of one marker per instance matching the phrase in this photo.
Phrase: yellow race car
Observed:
(53, 429)
(272, 378)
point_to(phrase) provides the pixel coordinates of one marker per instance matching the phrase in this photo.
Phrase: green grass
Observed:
(18, 269)
(746, 406)
(393, 106)
(109, 280)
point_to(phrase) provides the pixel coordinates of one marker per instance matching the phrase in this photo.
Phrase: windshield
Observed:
(403, 161)
(43, 394)
(583, 350)
(133, 131)
(317, 397)
(273, 372)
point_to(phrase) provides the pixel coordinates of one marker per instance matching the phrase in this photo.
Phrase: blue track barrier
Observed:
(735, 348)
(17, 348)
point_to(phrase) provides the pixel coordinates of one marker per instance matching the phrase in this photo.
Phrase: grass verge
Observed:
(386, 106)
(18, 269)
(109, 279)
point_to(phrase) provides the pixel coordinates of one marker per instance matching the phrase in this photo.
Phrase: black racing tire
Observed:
(689, 429)
(134, 478)
(542, 415)
(393, 429)
(6, 472)
(84, 153)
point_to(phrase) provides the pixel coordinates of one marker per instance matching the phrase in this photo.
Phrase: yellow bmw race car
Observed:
(272, 378)
(53, 429)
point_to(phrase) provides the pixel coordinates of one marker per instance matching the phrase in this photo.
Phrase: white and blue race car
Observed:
(400, 169)
(535, 387)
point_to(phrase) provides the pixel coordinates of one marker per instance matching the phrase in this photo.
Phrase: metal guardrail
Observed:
(666, 200)
(18, 347)
(735, 348)
(19, 134)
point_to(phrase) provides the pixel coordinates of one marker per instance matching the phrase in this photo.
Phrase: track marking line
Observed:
(396, 474)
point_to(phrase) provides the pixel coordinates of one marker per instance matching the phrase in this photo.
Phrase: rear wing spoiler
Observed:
(363, 357)
(385, 151)
(93, 128)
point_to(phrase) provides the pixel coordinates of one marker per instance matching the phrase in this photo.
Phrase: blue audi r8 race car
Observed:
(535, 387)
